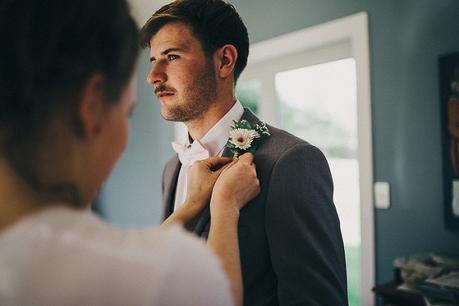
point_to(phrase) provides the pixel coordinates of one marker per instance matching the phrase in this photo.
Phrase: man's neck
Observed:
(199, 127)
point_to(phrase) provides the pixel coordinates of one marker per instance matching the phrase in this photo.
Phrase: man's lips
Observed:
(162, 94)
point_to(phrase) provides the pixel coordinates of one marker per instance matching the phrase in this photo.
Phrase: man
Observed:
(290, 241)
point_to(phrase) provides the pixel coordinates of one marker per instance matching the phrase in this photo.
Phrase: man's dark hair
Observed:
(215, 23)
(51, 47)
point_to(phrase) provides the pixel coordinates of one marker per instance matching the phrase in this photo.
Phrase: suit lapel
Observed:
(170, 185)
(203, 221)
(251, 118)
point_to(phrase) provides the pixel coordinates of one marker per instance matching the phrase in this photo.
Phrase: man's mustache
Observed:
(161, 88)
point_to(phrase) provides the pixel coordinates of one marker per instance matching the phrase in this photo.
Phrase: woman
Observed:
(66, 91)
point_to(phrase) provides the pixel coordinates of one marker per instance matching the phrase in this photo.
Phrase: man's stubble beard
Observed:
(195, 99)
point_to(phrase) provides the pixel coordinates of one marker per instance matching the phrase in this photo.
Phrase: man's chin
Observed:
(179, 114)
(169, 117)
(173, 116)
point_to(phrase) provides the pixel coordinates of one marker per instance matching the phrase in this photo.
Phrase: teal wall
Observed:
(406, 37)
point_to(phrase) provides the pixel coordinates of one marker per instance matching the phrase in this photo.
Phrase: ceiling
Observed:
(143, 9)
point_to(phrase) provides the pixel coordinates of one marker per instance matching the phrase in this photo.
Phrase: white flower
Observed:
(242, 138)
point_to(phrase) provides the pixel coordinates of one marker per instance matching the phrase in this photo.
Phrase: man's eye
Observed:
(172, 57)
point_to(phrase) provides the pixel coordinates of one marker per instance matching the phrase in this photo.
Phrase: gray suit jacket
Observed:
(289, 236)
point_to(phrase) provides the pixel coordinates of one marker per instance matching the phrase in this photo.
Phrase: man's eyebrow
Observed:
(169, 50)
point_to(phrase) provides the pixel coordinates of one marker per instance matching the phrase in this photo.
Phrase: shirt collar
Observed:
(217, 137)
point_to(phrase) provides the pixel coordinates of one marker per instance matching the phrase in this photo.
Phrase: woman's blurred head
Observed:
(66, 89)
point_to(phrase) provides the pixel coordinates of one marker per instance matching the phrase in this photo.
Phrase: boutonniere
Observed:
(245, 138)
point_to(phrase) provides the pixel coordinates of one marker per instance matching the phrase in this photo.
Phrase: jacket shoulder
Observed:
(280, 142)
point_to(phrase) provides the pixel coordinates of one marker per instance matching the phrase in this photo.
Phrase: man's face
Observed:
(183, 77)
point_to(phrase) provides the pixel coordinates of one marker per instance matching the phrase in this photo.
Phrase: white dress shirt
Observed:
(213, 142)
(62, 256)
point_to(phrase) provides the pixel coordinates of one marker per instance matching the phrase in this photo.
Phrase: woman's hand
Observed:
(237, 185)
(201, 179)
(202, 176)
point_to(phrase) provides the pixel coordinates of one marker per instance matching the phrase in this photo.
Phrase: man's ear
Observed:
(225, 59)
(92, 106)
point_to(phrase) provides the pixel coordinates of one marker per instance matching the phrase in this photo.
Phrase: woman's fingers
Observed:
(216, 163)
(225, 167)
(246, 157)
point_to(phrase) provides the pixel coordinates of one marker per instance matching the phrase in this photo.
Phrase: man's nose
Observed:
(156, 75)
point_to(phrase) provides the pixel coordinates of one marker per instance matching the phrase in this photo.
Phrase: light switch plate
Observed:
(382, 195)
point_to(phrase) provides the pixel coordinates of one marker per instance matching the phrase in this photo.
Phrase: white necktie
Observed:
(187, 156)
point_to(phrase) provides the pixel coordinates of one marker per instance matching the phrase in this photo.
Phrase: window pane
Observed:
(319, 104)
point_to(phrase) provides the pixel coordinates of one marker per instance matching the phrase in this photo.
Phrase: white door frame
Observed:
(354, 30)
